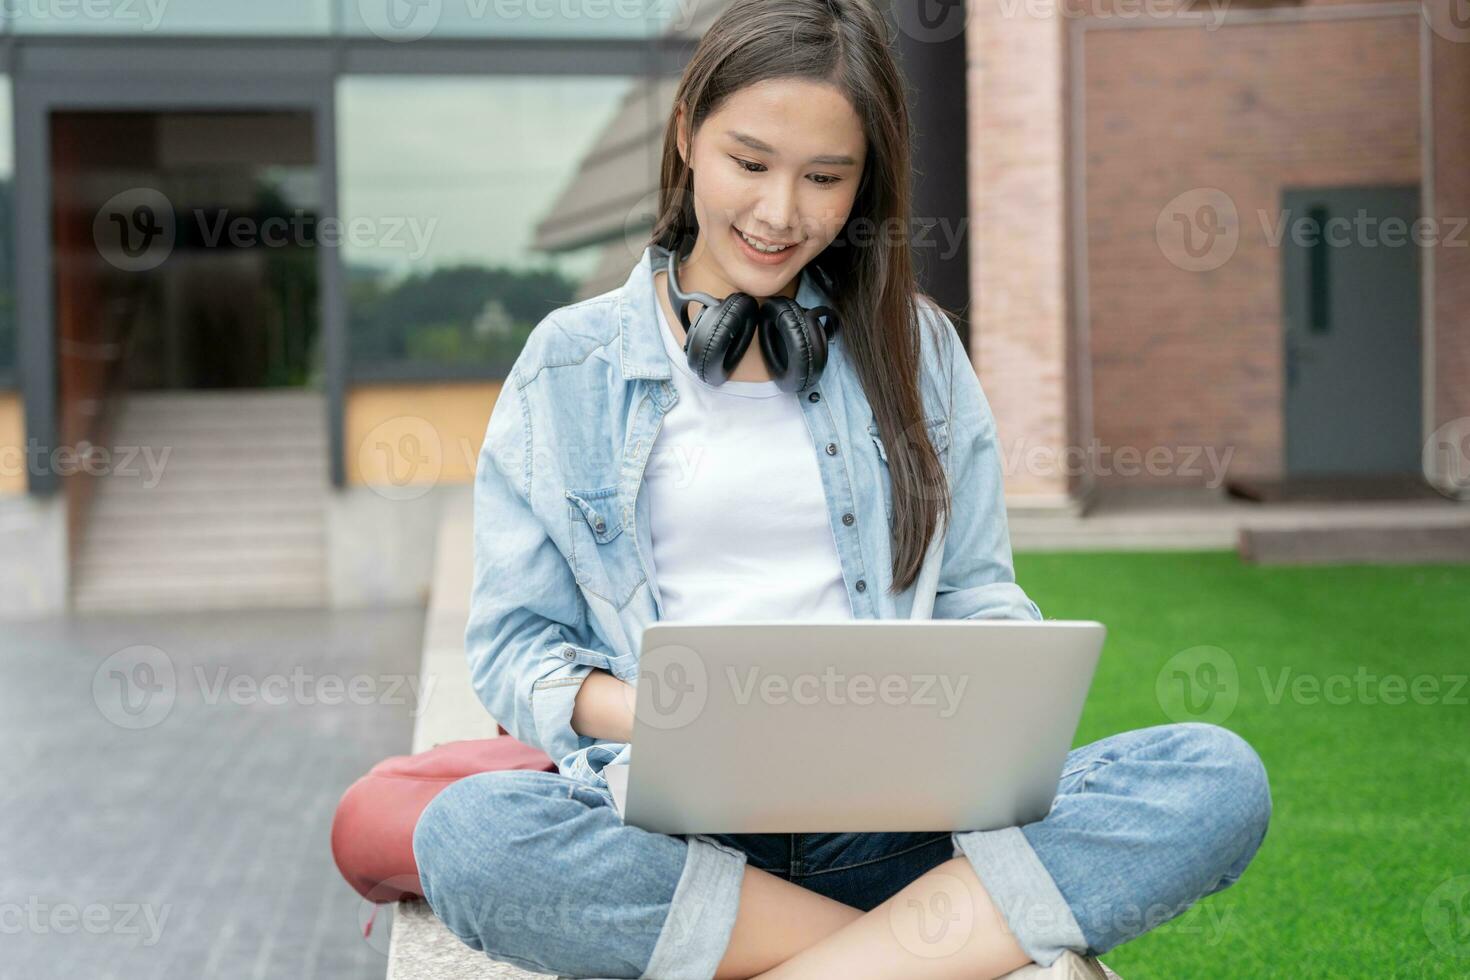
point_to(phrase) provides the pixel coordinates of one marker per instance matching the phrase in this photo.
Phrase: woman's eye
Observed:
(821, 180)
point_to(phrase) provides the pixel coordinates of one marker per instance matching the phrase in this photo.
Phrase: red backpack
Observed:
(372, 831)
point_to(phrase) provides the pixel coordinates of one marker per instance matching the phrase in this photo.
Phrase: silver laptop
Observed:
(873, 725)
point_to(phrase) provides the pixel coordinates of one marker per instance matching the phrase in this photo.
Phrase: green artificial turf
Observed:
(1365, 870)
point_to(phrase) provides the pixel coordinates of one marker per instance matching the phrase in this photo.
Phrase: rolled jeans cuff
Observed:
(701, 914)
(1023, 891)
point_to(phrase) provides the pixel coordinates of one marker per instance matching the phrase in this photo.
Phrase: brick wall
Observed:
(1451, 85)
(1193, 358)
(1016, 86)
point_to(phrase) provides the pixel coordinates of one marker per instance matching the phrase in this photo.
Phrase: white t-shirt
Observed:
(738, 517)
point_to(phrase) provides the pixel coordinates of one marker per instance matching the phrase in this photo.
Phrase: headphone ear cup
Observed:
(719, 338)
(793, 343)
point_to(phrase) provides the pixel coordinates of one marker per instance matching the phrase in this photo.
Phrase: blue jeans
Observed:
(538, 870)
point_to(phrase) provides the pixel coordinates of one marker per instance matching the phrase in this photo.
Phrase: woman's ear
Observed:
(681, 136)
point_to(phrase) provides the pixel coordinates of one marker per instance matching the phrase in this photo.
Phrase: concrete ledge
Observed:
(1363, 545)
(33, 556)
(420, 947)
(423, 948)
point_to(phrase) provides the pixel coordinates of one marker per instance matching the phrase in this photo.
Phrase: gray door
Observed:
(1350, 276)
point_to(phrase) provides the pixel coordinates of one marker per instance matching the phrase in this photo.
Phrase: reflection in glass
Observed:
(447, 185)
(8, 342)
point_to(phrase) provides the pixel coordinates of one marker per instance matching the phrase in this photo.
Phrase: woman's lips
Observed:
(757, 257)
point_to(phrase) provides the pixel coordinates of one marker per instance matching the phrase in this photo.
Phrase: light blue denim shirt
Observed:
(563, 581)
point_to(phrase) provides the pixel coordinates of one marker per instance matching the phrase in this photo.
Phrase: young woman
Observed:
(622, 482)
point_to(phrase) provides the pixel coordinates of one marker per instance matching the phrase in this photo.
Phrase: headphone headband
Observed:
(793, 340)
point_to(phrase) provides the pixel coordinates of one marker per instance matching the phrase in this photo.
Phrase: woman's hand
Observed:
(604, 707)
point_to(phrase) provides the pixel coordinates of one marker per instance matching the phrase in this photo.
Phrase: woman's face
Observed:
(781, 161)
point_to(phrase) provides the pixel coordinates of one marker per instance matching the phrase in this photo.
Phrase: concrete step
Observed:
(234, 515)
(183, 558)
(304, 592)
(1356, 545)
(207, 532)
(291, 478)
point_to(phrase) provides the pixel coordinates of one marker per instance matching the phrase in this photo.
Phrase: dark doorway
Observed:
(1353, 352)
(183, 245)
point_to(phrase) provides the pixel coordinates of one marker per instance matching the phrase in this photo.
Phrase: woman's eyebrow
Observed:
(838, 160)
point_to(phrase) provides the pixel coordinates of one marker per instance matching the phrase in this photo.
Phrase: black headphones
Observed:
(793, 340)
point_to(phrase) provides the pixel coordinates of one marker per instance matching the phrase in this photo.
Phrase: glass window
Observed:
(473, 207)
(8, 341)
(169, 16)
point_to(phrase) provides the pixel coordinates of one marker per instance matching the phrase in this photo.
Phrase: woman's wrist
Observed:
(603, 707)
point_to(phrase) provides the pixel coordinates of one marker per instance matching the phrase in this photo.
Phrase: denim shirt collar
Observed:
(641, 349)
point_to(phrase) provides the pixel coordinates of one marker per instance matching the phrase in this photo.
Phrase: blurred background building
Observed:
(263, 265)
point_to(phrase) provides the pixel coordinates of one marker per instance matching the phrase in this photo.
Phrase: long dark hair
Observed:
(871, 282)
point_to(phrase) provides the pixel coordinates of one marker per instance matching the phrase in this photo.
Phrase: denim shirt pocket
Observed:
(604, 560)
(938, 430)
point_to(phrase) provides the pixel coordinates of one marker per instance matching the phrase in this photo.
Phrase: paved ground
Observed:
(169, 784)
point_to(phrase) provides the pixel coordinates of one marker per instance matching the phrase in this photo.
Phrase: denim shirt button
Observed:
(831, 449)
(568, 653)
(848, 519)
(814, 397)
(861, 586)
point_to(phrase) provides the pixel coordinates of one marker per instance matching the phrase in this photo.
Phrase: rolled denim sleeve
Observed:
(527, 638)
(976, 579)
